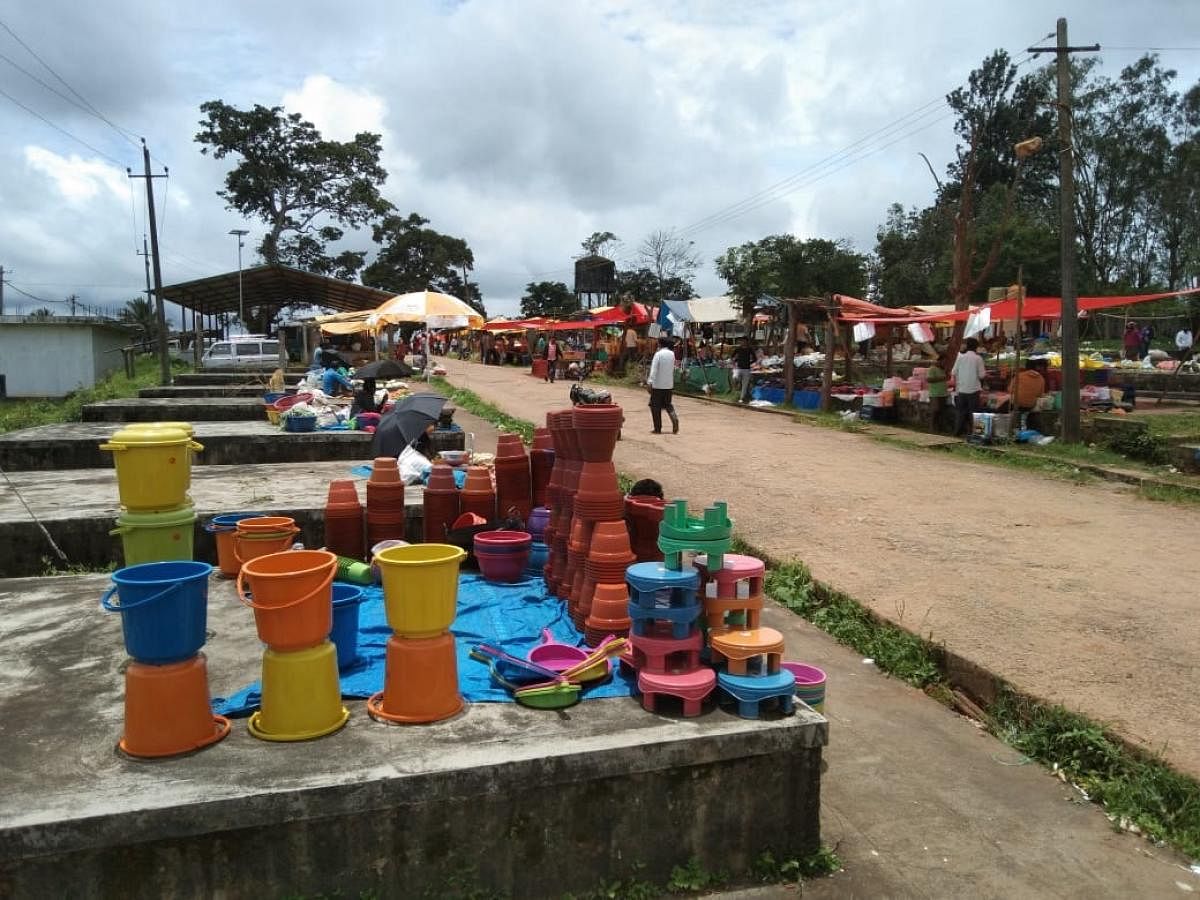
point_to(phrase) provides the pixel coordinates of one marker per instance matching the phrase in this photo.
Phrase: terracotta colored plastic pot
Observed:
(610, 541)
(601, 416)
(384, 470)
(167, 709)
(495, 542)
(543, 439)
(610, 601)
(441, 478)
(509, 446)
(420, 681)
(342, 491)
(291, 594)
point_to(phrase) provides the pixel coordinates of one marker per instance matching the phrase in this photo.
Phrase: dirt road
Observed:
(1080, 595)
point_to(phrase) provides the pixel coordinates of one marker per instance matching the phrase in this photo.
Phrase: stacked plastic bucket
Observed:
(420, 592)
(154, 471)
(291, 594)
(164, 612)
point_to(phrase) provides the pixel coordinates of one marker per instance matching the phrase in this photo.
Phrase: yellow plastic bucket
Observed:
(186, 427)
(154, 467)
(301, 697)
(156, 537)
(420, 587)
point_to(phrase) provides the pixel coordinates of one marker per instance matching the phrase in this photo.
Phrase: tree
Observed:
(301, 185)
(41, 314)
(415, 258)
(784, 267)
(594, 246)
(552, 299)
(141, 314)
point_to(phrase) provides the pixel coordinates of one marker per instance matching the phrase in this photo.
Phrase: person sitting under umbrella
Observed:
(410, 422)
(334, 382)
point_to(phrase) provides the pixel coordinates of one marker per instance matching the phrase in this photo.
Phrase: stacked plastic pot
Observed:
(164, 611)
(536, 525)
(541, 464)
(478, 495)
(514, 493)
(420, 592)
(643, 515)
(154, 472)
(385, 502)
(344, 520)
(441, 502)
(291, 594)
(560, 497)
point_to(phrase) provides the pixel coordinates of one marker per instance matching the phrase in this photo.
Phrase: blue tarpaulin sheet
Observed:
(508, 616)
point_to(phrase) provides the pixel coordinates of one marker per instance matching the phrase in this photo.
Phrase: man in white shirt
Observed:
(969, 373)
(1183, 342)
(661, 382)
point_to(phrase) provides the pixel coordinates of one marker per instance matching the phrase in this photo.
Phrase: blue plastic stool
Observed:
(682, 619)
(653, 586)
(749, 691)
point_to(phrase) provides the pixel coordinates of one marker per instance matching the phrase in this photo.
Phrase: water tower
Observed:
(595, 281)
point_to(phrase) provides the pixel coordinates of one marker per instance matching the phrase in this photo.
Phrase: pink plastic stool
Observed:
(734, 570)
(691, 688)
(659, 655)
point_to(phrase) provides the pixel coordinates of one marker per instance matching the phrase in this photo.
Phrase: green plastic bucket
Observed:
(156, 537)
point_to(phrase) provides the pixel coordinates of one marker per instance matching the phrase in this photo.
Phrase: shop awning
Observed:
(714, 309)
(855, 310)
(275, 286)
(344, 323)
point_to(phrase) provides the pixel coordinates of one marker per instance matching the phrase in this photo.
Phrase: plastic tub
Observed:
(164, 609)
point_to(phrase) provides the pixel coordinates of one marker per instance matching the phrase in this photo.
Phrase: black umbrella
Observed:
(406, 422)
(384, 368)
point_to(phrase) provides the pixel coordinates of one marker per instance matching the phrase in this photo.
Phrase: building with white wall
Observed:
(55, 356)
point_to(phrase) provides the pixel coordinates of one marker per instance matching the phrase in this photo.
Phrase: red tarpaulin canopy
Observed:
(602, 318)
(536, 323)
(855, 310)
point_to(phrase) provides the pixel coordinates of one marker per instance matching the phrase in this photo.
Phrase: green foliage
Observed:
(895, 651)
(1144, 791)
(296, 182)
(552, 299)
(782, 266)
(769, 870)
(142, 315)
(415, 258)
(693, 877)
(17, 414)
(1140, 445)
(594, 245)
(647, 287)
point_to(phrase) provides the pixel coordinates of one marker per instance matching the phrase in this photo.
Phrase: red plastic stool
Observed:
(661, 654)
(690, 687)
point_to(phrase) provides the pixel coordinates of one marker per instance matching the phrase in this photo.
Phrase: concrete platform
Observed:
(231, 390)
(185, 409)
(79, 508)
(211, 377)
(75, 445)
(521, 802)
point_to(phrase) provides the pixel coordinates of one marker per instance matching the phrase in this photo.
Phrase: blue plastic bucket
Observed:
(347, 600)
(164, 609)
(538, 554)
(228, 521)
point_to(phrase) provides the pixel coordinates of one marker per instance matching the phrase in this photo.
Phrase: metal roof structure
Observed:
(272, 286)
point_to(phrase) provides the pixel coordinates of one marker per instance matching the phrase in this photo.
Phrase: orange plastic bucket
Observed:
(167, 710)
(421, 681)
(251, 546)
(291, 594)
(265, 524)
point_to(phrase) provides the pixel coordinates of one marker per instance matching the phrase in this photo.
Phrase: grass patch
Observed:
(821, 419)
(18, 414)
(474, 404)
(1028, 462)
(1169, 493)
(1173, 424)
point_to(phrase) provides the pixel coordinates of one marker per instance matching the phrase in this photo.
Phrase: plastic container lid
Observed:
(162, 435)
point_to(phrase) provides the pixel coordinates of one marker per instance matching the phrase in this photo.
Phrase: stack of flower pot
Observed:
(503, 555)
(536, 524)
(385, 502)
(291, 594)
(665, 607)
(478, 495)
(643, 515)
(514, 496)
(344, 520)
(604, 602)
(441, 504)
(164, 608)
(420, 591)
(541, 464)
(560, 494)
(154, 471)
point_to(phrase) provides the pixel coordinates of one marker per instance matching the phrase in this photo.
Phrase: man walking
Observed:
(661, 382)
(1183, 343)
(969, 373)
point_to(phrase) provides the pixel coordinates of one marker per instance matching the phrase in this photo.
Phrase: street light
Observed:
(241, 233)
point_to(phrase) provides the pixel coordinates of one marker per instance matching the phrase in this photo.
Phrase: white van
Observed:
(242, 352)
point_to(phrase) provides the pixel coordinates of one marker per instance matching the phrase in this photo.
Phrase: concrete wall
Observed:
(51, 359)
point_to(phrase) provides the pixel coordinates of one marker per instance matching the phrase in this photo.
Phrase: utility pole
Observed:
(164, 362)
(72, 300)
(1066, 162)
(1, 290)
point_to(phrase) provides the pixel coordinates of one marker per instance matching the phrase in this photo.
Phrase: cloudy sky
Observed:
(520, 125)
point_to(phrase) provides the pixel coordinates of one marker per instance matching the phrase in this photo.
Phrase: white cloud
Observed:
(338, 110)
(79, 181)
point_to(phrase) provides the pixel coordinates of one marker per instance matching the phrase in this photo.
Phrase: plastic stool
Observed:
(748, 611)
(690, 687)
(738, 648)
(654, 586)
(659, 655)
(749, 691)
(680, 620)
(735, 569)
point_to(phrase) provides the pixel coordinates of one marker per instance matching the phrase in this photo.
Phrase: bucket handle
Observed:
(247, 600)
(238, 537)
(213, 528)
(106, 600)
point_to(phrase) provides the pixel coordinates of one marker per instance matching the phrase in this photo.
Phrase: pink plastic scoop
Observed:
(555, 655)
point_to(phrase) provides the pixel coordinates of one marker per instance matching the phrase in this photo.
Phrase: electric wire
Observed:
(59, 128)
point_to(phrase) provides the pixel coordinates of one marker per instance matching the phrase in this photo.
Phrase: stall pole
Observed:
(891, 340)
(789, 356)
(1015, 416)
(827, 374)
(848, 344)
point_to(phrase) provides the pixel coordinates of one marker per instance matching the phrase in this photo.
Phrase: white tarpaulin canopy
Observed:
(713, 309)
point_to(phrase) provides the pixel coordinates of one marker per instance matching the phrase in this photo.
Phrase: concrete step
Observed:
(78, 814)
(204, 390)
(79, 507)
(185, 409)
(76, 445)
(231, 376)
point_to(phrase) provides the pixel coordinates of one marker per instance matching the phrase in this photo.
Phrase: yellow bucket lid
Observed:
(147, 437)
(186, 427)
